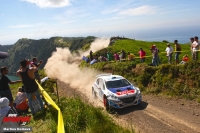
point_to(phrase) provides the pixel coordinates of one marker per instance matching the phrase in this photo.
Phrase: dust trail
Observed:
(98, 44)
(62, 65)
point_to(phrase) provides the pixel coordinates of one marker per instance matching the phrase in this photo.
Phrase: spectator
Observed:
(177, 51)
(169, 51)
(37, 76)
(109, 56)
(123, 54)
(131, 56)
(192, 40)
(142, 54)
(31, 87)
(93, 61)
(185, 59)
(6, 110)
(4, 87)
(116, 56)
(91, 56)
(21, 100)
(154, 51)
(102, 58)
(120, 56)
(85, 59)
(195, 48)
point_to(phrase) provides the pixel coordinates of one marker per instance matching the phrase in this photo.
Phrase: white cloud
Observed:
(26, 25)
(49, 3)
(142, 10)
(20, 26)
(175, 11)
(110, 11)
(71, 15)
(108, 19)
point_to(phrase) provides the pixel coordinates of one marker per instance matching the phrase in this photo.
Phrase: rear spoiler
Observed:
(105, 74)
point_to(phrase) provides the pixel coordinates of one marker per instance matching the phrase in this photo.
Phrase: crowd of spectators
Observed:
(170, 51)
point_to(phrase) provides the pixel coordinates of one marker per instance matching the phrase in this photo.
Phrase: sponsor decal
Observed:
(126, 92)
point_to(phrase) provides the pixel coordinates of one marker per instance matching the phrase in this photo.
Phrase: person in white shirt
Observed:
(169, 51)
(195, 48)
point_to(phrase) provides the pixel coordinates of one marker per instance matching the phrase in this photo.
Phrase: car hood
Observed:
(123, 90)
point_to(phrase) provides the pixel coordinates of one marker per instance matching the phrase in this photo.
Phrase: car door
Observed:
(101, 88)
(96, 86)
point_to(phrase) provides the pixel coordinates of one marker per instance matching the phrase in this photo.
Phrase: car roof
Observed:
(110, 77)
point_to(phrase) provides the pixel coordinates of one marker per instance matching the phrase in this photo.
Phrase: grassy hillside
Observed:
(133, 46)
(173, 80)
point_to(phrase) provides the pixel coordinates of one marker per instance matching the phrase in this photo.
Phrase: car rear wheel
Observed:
(94, 95)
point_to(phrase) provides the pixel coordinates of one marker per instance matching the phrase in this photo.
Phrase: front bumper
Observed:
(125, 102)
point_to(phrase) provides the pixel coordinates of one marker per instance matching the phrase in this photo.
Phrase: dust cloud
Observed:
(64, 66)
(98, 44)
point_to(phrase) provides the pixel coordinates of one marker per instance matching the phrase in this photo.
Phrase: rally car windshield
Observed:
(117, 83)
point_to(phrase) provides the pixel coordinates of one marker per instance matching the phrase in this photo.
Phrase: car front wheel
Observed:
(106, 104)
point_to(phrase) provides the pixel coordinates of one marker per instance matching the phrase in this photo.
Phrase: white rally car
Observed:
(115, 91)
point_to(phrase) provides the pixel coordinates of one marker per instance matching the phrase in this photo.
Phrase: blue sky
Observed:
(37, 19)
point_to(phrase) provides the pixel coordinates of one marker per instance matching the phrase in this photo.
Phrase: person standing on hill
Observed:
(116, 56)
(91, 55)
(123, 55)
(177, 51)
(37, 76)
(142, 54)
(154, 51)
(30, 85)
(109, 56)
(195, 48)
(169, 51)
(4, 87)
(191, 48)
(131, 57)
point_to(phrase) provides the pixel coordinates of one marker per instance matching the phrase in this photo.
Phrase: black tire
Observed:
(106, 104)
(108, 108)
(94, 95)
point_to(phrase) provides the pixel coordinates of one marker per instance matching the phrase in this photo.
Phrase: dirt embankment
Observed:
(156, 114)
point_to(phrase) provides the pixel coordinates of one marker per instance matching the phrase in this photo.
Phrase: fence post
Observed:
(57, 91)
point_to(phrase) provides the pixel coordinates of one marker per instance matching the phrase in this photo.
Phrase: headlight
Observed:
(138, 90)
(113, 97)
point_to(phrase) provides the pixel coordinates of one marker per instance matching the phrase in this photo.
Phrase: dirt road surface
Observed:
(156, 114)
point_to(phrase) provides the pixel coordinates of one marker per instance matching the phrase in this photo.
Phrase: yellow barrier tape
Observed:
(151, 55)
(60, 128)
(181, 51)
(175, 51)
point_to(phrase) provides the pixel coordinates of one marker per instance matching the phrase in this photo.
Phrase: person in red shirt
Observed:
(116, 56)
(142, 54)
(185, 59)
